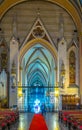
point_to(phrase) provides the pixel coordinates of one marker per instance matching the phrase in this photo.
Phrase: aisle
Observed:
(38, 123)
(26, 118)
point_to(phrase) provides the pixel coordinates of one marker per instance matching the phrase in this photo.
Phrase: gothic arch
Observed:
(34, 42)
(31, 43)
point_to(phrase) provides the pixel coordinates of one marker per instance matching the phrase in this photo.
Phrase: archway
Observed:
(31, 43)
(38, 76)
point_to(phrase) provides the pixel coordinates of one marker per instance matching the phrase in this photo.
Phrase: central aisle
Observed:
(26, 118)
(38, 123)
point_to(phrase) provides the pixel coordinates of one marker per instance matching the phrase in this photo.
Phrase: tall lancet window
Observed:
(72, 67)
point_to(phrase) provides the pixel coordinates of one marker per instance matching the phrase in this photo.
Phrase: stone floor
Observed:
(25, 120)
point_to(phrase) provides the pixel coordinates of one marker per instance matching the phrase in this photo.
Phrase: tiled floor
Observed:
(25, 120)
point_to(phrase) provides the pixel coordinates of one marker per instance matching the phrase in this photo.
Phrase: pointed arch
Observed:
(33, 42)
(30, 44)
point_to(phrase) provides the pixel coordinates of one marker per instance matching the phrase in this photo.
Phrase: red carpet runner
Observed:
(38, 123)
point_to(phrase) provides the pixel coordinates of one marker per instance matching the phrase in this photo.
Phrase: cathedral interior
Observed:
(40, 57)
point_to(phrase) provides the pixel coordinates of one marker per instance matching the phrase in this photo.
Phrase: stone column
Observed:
(13, 72)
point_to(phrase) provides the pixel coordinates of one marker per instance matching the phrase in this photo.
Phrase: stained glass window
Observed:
(72, 67)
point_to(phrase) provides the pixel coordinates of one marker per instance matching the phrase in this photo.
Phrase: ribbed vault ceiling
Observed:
(37, 66)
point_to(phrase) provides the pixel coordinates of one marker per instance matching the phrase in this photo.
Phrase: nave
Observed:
(40, 61)
(26, 118)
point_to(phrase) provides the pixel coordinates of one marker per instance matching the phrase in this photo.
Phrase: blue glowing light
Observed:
(37, 106)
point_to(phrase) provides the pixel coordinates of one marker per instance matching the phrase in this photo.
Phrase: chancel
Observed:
(40, 64)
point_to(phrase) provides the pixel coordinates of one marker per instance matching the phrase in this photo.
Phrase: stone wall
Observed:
(25, 15)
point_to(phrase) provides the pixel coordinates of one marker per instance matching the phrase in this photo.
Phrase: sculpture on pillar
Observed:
(62, 75)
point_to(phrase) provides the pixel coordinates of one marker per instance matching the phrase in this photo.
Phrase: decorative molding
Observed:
(38, 31)
(67, 5)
